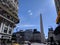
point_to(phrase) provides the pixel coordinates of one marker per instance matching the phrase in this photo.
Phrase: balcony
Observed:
(9, 12)
(7, 17)
(9, 6)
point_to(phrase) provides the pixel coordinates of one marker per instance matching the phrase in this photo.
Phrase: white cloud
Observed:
(26, 25)
(29, 12)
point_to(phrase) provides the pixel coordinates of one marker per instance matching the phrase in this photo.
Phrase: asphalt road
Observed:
(36, 44)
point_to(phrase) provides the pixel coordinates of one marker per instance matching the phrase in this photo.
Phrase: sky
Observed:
(29, 15)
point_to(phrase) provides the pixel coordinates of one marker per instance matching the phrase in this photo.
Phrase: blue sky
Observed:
(29, 14)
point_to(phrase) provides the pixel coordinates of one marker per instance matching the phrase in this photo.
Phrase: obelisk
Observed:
(41, 30)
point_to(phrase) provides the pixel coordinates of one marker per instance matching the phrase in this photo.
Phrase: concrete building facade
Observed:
(37, 36)
(20, 37)
(32, 35)
(57, 29)
(57, 33)
(57, 3)
(8, 18)
(51, 34)
(28, 34)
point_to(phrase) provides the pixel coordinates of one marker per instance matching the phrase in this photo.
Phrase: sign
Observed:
(6, 37)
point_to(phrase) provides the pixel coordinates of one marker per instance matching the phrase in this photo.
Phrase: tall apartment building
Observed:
(8, 18)
(57, 29)
(57, 33)
(57, 3)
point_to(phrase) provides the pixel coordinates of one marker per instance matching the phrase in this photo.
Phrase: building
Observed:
(32, 35)
(51, 34)
(13, 37)
(36, 36)
(20, 36)
(28, 33)
(8, 18)
(57, 30)
(57, 3)
(57, 34)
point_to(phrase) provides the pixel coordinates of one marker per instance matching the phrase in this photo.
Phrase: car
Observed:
(26, 42)
(44, 43)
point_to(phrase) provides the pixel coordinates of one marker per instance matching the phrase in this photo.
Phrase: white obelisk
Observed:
(41, 30)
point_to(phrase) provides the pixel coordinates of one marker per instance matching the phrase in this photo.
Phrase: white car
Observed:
(26, 42)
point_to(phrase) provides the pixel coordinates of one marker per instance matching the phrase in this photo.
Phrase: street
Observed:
(36, 44)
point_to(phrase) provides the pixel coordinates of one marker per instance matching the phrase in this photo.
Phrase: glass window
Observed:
(6, 23)
(5, 30)
(10, 31)
(15, 0)
(59, 3)
(8, 16)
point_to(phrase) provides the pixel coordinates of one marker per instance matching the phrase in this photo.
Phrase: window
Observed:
(5, 30)
(59, 3)
(10, 5)
(57, 7)
(12, 18)
(6, 22)
(15, 0)
(8, 16)
(10, 31)
(10, 25)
